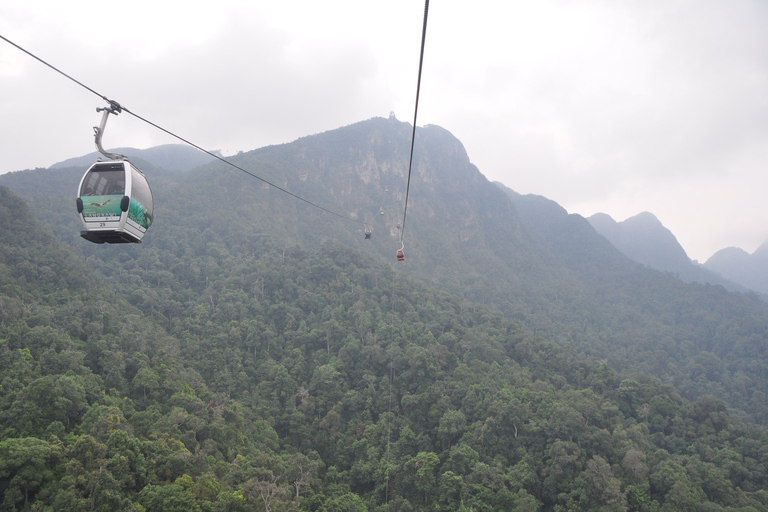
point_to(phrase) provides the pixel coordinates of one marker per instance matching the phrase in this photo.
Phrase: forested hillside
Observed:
(231, 373)
(697, 336)
(523, 255)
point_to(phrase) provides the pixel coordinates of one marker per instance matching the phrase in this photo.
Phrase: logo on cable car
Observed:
(138, 214)
(101, 208)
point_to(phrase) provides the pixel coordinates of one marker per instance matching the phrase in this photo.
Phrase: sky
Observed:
(605, 106)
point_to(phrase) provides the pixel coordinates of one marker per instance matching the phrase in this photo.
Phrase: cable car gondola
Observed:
(114, 203)
(401, 252)
(114, 199)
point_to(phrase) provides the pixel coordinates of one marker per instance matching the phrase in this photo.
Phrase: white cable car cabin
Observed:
(114, 199)
(115, 203)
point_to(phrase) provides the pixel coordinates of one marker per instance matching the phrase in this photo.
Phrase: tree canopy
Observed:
(262, 376)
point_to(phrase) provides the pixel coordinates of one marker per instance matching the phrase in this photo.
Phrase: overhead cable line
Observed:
(415, 114)
(243, 170)
(119, 108)
(402, 231)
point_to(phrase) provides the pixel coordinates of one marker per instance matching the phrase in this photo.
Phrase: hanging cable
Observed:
(391, 381)
(117, 107)
(415, 114)
(400, 253)
(241, 169)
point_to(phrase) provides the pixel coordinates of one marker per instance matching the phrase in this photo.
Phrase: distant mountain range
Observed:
(641, 238)
(750, 270)
(171, 157)
(644, 239)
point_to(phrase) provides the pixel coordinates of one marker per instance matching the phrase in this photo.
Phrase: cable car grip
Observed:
(113, 108)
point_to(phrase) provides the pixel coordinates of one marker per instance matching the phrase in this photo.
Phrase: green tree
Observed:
(167, 498)
(425, 464)
(349, 502)
(25, 465)
(146, 379)
(451, 427)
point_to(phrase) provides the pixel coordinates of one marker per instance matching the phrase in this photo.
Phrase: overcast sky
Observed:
(603, 106)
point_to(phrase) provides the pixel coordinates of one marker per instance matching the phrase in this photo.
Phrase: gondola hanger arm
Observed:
(113, 108)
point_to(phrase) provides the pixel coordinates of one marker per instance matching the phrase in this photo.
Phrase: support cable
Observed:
(119, 108)
(415, 113)
(391, 381)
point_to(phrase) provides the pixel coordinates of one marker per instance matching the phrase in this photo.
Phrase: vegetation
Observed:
(253, 354)
(214, 376)
(522, 255)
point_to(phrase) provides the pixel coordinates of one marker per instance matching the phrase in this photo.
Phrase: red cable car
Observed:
(400, 255)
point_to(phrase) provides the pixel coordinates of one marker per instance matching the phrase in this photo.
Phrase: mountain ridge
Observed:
(750, 270)
(172, 157)
(643, 238)
(523, 255)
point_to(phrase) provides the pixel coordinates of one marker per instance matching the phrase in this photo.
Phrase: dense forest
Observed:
(216, 376)
(256, 354)
(522, 255)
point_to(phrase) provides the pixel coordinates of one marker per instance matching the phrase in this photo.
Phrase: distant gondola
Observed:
(114, 199)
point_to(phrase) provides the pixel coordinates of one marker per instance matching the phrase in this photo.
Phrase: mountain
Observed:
(644, 239)
(568, 238)
(737, 265)
(256, 351)
(171, 157)
(522, 255)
